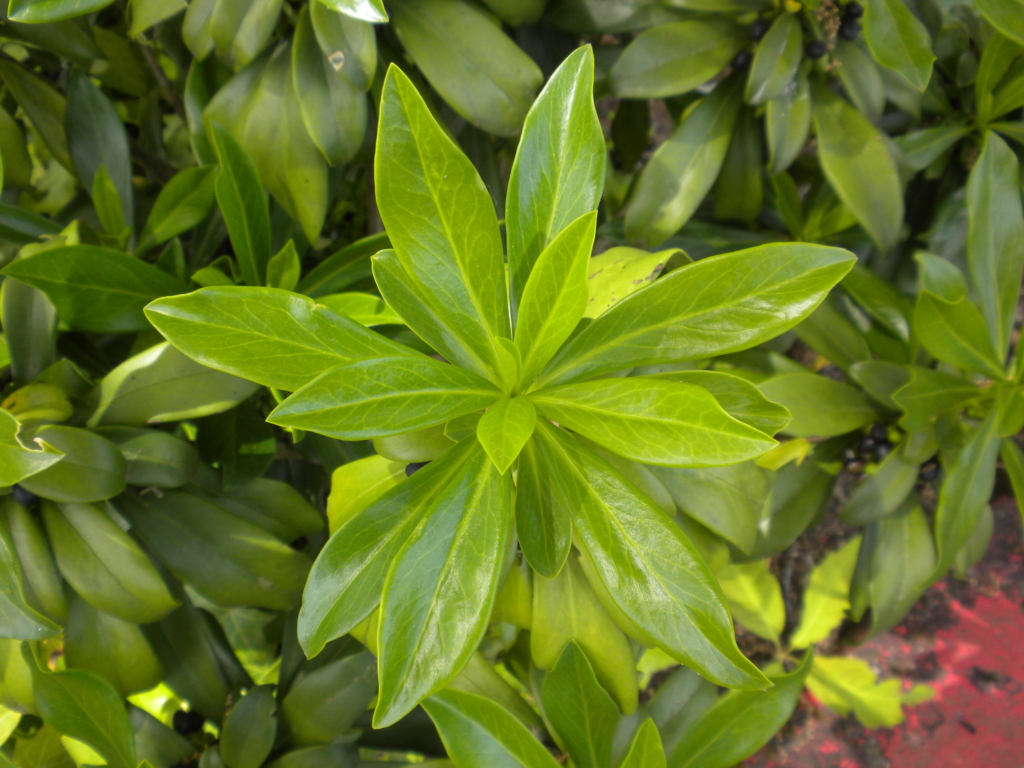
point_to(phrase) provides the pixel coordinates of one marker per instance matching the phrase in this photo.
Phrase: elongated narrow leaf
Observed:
(649, 568)
(43, 105)
(555, 296)
(788, 123)
(654, 421)
(243, 204)
(929, 393)
(505, 428)
(476, 731)
(187, 199)
(18, 619)
(647, 750)
(717, 305)
(92, 468)
(346, 580)
(737, 396)
(901, 563)
(683, 169)
(881, 493)
(955, 333)
(440, 589)
(559, 168)
(995, 238)
(858, 166)
(1013, 461)
(384, 396)
(355, 39)
(827, 596)
(96, 289)
(899, 41)
(776, 60)
(442, 225)
(740, 723)
(543, 524)
(924, 147)
(267, 335)
(16, 461)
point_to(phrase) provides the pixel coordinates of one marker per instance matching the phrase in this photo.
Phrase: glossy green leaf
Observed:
(579, 709)
(776, 60)
(737, 396)
(924, 147)
(429, 627)
(880, 299)
(365, 308)
(43, 11)
(16, 460)
(995, 238)
(646, 750)
(899, 41)
(754, 598)
(739, 189)
(712, 307)
(955, 333)
(827, 596)
(43, 105)
(618, 272)
(354, 39)
(185, 202)
(858, 166)
(356, 485)
(505, 428)
(543, 525)
(928, 393)
(345, 583)
(740, 723)
(653, 421)
(442, 225)
(248, 733)
(96, 289)
(845, 684)
(92, 468)
(276, 507)
(161, 384)
(881, 493)
(1006, 16)
(670, 59)
(367, 10)
(684, 168)
(155, 459)
(104, 565)
(384, 396)
(147, 13)
(243, 204)
(559, 169)
(325, 701)
(651, 571)
(965, 491)
(18, 618)
(344, 267)
(474, 728)
(45, 586)
(479, 71)
(820, 406)
(902, 561)
(241, 30)
(830, 334)
(84, 707)
(788, 123)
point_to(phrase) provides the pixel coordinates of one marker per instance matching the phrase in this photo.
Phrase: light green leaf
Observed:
(107, 204)
(928, 393)
(737, 396)
(955, 333)
(147, 13)
(653, 421)
(618, 272)
(776, 60)
(858, 166)
(820, 406)
(902, 560)
(269, 336)
(440, 589)
(96, 289)
(16, 461)
(18, 618)
(1007, 16)
(284, 268)
(715, 306)
(442, 225)
(754, 598)
(647, 750)
(649, 569)
(349, 44)
(505, 428)
(384, 396)
(365, 308)
(367, 10)
(559, 169)
(44, 11)
(827, 596)
(845, 684)
(995, 238)
(356, 485)
(899, 41)
(184, 202)
(543, 525)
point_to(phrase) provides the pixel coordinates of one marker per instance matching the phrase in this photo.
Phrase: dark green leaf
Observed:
(924, 147)
(92, 468)
(18, 619)
(776, 60)
(739, 190)
(325, 701)
(43, 105)
(820, 407)
(881, 493)
(248, 732)
(341, 269)
(834, 337)
(901, 565)
(788, 123)
(43, 11)
(186, 201)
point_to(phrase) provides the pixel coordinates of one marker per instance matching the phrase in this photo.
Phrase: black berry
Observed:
(879, 432)
(742, 59)
(410, 468)
(300, 543)
(853, 10)
(882, 450)
(758, 28)
(849, 30)
(867, 445)
(188, 722)
(929, 471)
(23, 497)
(816, 49)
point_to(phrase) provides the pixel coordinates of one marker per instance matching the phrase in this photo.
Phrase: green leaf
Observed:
(326, 700)
(478, 70)
(681, 425)
(880, 299)
(365, 308)
(740, 723)
(776, 60)
(249, 730)
(159, 385)
(834, 337)
(559, 168)
(845, 684)
(715, 306)
(46, 588)
(955, 333)
(651, 571)
(107, 203)
(84, 707)
(788, 123)
(440, 589)
(579, 709)
(104, 565)
(505, 428)
(354, 39)
(858, 166)
(924, 147)
(243, 204)
(16, 461)
(543, 525)
(861, 79)
(442, 225)
(384, 396)
(899, 41)
(45, 11)
(226, 559)
(356, 485)
(1013, 462)
(902, 560)
(148, 13)
(754, 598)
(1007, 16)
(737, 396)
(276, 507)
(18, 618)
(267, 335)
(618, 272)
(965, 491)
(940, 276)
(473, 727)
(684, 168)
(96, 289)
(344, 267)
(882, 492)
(185, 202)
(929, 393)
(284, 268)
(671, 59)
(91, 469)
(44, 106)
(647, 750)
(995, 238)
(555, 296)
(345, 583)
(820, 406)
(566, 611)
(367, 10)
(827, 596)
(96, 136)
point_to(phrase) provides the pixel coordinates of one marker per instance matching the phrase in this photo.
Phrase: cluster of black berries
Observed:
(873, 447)
(188, 721)
(849, 27)
(27, 499)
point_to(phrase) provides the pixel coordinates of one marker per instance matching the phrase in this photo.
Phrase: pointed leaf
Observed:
(367, 10)
(776, 60)
(827, 596)
(505, 428)
(1007, 16)
(929, 393)
(647, 750)
(543, 524)
(845, 683)
(955, 333)
(16, 461)
(185, 202)
(899, 41)
(754, 598)
(737, 396)
(902, 561)
(18, 619)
